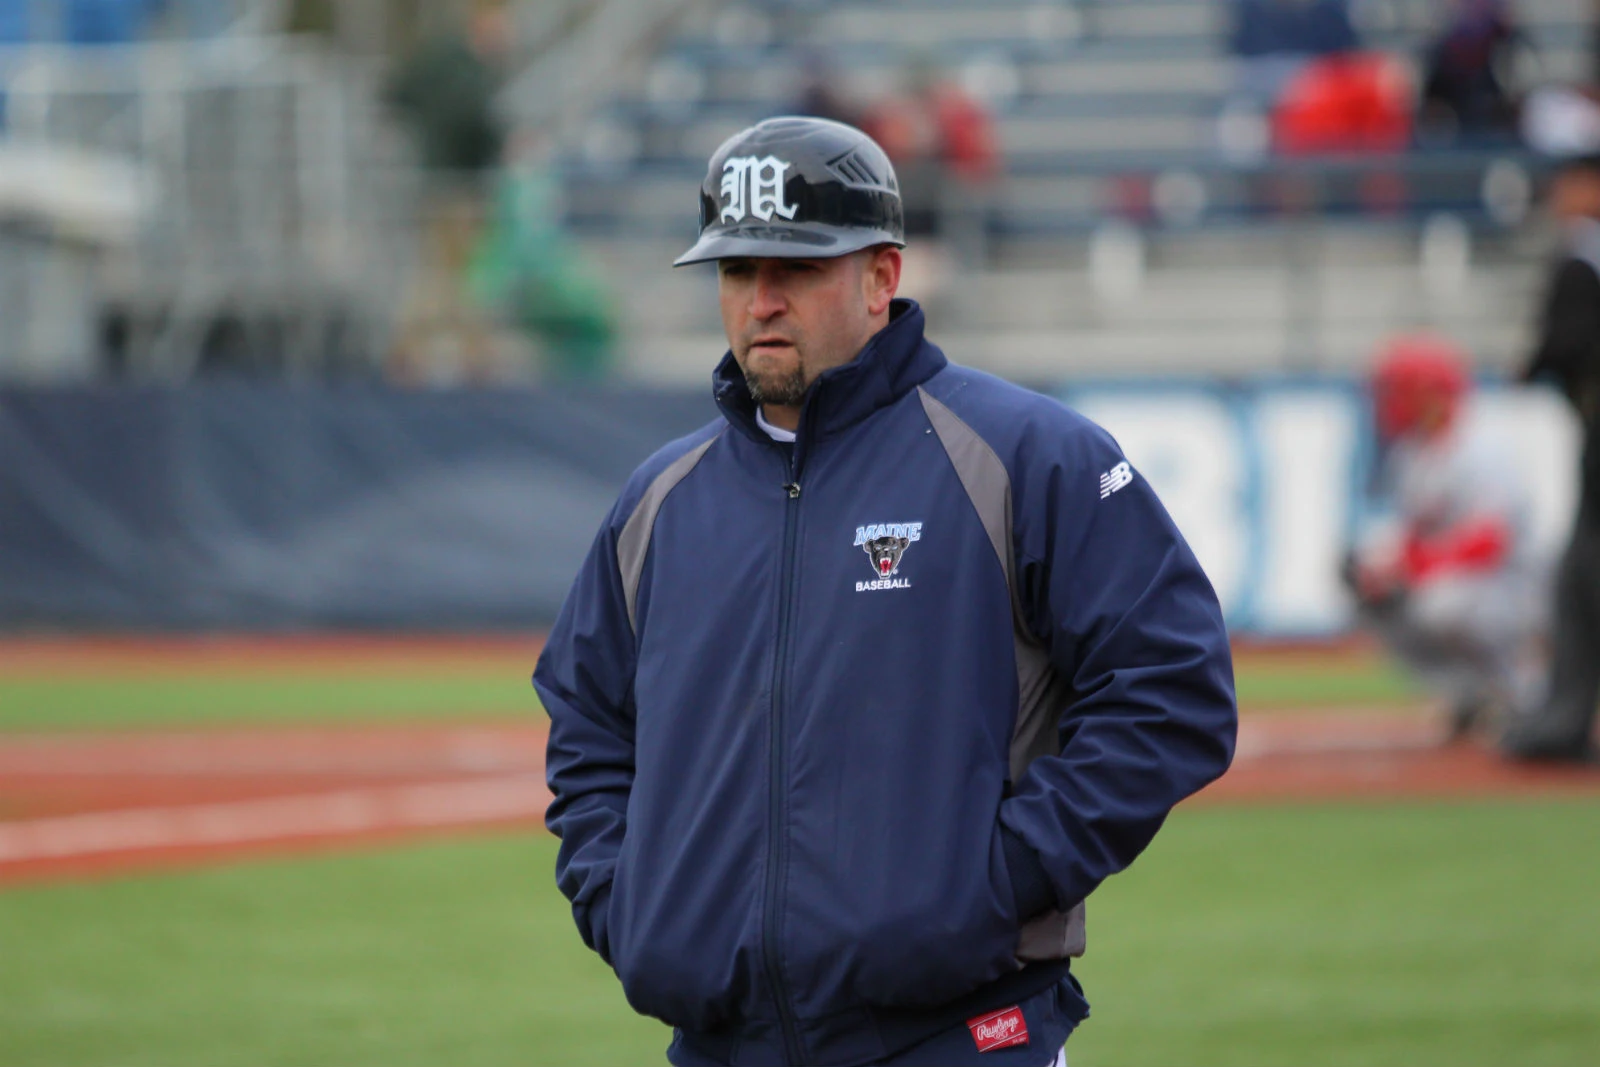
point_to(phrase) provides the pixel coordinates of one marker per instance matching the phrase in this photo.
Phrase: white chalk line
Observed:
(347, 812)
(1271, 737)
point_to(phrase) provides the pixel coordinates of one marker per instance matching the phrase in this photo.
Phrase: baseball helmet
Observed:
(1416, 374)
(797, 188)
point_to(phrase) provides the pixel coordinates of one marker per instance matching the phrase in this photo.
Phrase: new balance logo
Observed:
(1115, 479)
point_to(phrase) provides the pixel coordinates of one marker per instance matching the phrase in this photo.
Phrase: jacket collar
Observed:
(893, 362)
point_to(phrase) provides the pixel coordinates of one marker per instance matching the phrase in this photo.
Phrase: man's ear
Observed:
(881, 279)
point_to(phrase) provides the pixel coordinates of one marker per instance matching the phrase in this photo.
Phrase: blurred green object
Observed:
(528, 268)
(1400, 935)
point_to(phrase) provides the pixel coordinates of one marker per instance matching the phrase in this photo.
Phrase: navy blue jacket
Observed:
(843, 733)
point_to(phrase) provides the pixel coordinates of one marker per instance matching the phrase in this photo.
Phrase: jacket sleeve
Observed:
(1134, 630)
(585, 679)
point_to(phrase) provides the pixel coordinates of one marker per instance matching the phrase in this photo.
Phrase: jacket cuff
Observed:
(594, 922)
(1030, 885)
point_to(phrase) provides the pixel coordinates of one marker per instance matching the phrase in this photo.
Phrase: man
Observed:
(865, 686)
(1456, 592)
(444, 92)
(1569, 356)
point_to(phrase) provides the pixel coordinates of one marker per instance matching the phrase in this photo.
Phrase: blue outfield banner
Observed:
(265, 507)
(1270, 480)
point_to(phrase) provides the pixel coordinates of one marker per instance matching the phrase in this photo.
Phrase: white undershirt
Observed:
(777, 433)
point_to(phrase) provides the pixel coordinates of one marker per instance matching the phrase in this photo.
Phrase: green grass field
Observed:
(1458, 934)
(113, 703)
(1356, 934)
(371, 694)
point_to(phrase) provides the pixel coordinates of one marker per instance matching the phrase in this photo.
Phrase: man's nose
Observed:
(767, 297)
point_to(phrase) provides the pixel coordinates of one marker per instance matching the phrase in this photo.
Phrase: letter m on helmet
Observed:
(754, 186)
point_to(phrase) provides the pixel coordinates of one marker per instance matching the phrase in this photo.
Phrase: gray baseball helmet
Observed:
(797, 188)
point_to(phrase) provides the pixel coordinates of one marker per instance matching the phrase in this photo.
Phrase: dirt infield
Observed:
(81, 805)
(1379, 756)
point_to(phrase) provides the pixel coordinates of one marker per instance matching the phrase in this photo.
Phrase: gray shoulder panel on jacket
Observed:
(982, 475)
(633, 544)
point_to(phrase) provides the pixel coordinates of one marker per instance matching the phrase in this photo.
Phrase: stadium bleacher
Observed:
(282, 189)
(1087, 98)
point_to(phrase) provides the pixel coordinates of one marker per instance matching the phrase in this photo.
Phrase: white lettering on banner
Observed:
(752, 186)
(1264, 483)
(1307, 442)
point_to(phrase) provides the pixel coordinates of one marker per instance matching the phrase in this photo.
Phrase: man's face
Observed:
(788, 320)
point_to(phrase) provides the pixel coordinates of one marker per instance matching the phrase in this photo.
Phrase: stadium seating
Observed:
(1104, 111)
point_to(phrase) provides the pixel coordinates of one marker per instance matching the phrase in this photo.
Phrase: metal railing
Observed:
(269, 175)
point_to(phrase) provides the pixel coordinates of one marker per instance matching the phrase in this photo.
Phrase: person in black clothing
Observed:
(1466, 92)
(1569, 356)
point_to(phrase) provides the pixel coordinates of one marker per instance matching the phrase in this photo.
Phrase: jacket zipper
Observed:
(778, 781)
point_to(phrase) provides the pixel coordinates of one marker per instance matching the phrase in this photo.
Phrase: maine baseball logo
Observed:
(885, 543)
(754, 187)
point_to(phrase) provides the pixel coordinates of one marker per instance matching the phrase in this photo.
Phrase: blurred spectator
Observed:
(1466, 91)
(530, 272)
(1291, 90)
(933, 131)
(1454, 588)
(942, 143)
(1355, 102)
(1568, 356)
(445, 91)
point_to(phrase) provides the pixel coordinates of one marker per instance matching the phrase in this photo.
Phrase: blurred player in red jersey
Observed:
(1453, 587)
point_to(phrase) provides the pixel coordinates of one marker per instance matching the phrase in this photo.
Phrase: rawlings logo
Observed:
(884, 544)
(999, 1029)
